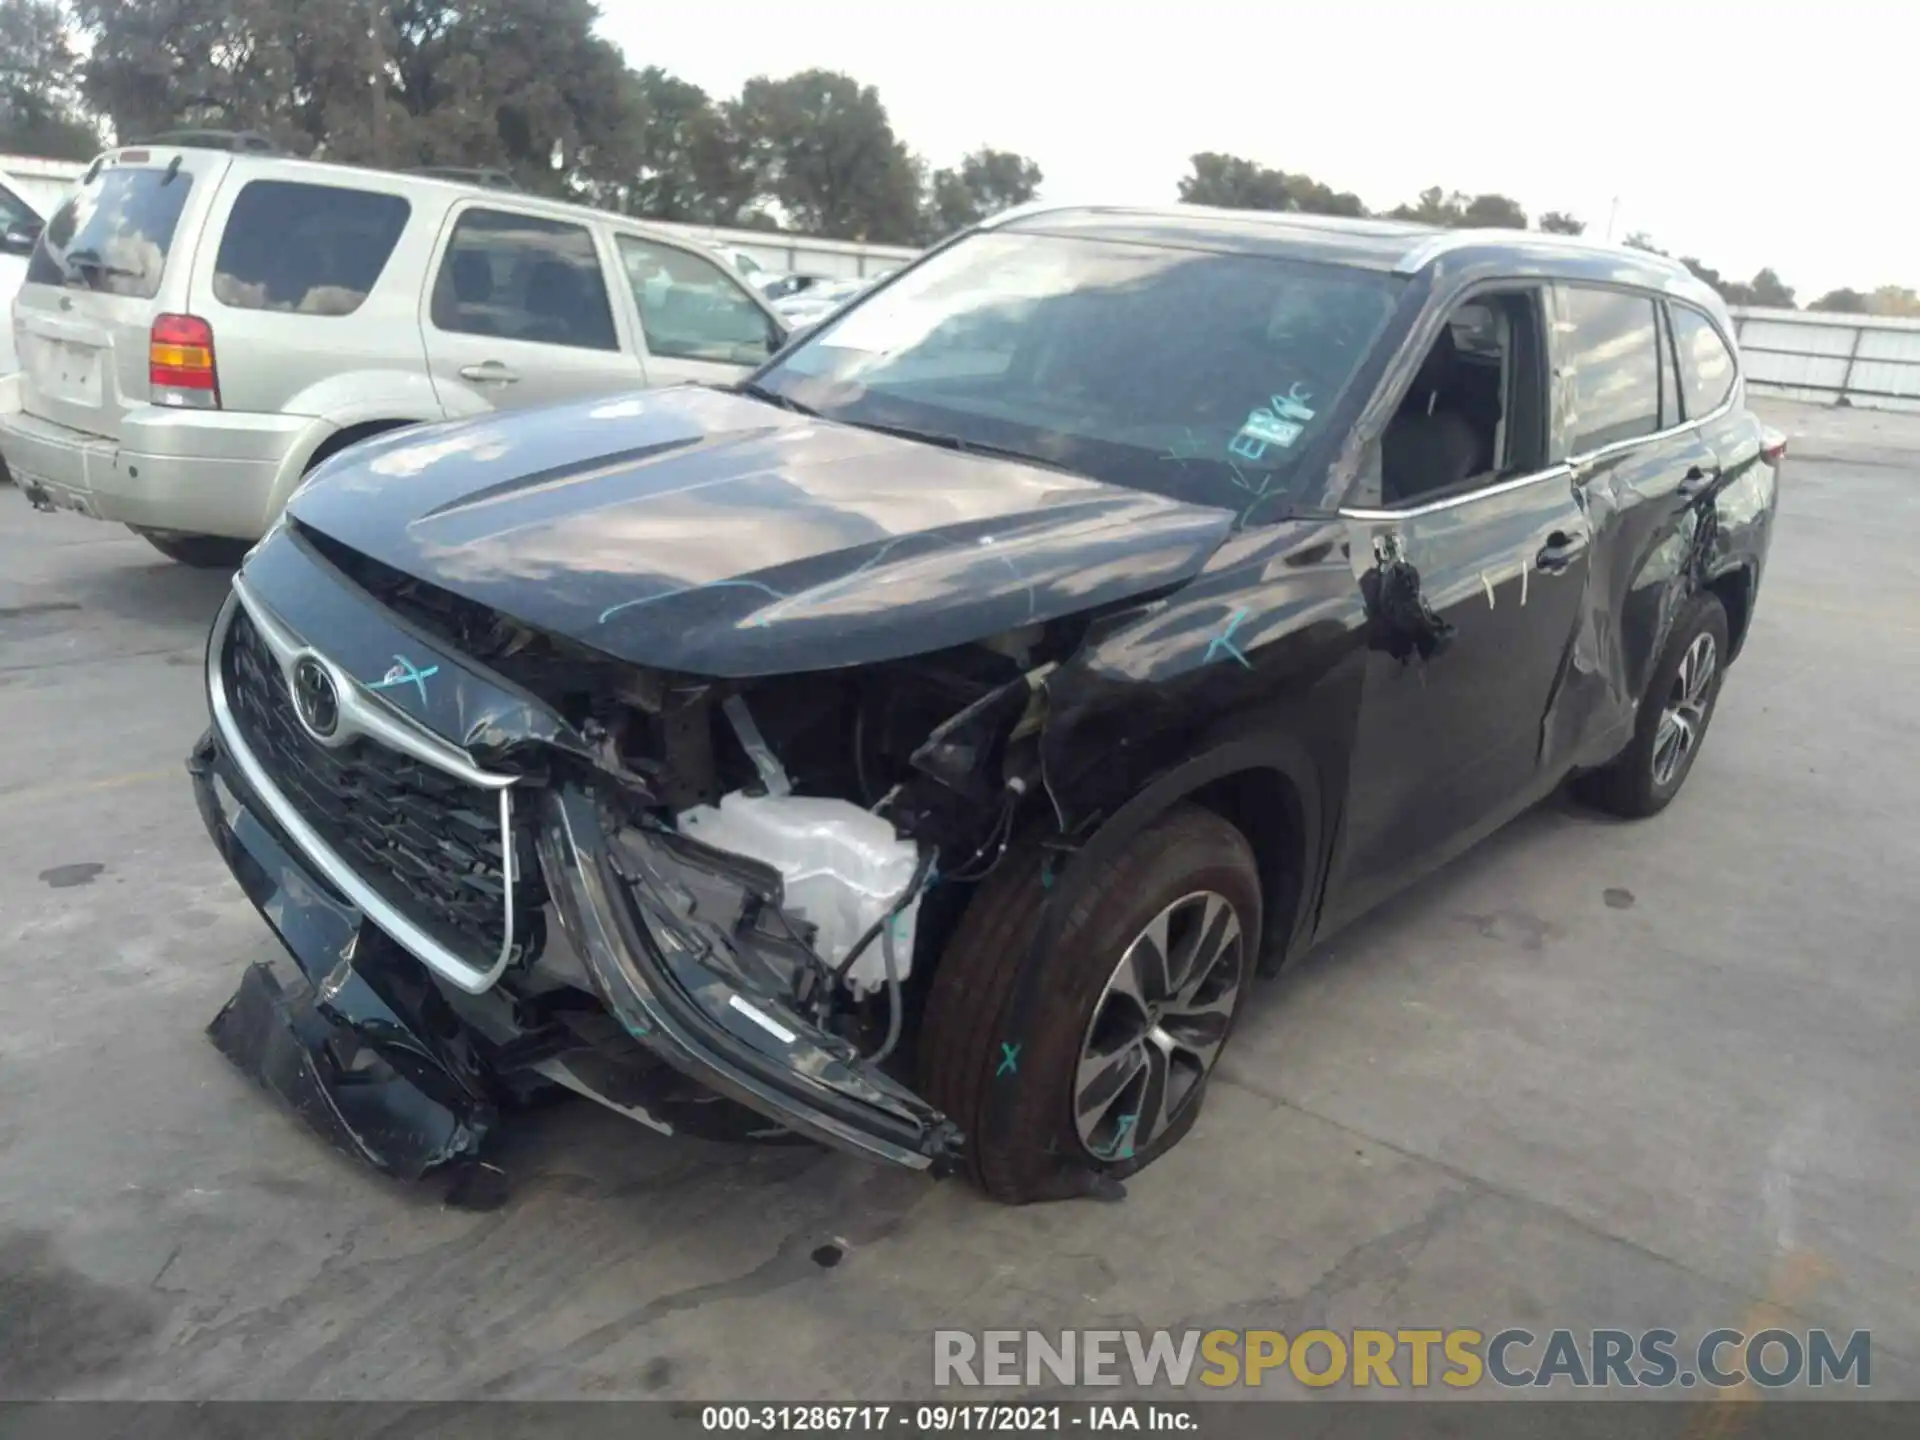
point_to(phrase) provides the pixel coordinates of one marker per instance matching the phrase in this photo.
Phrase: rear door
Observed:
(699, 323)
(118, 252)
(518, 312)
(1646, 476)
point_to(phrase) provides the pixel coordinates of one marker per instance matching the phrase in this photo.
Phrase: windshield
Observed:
(1195, 375)
(114, 234)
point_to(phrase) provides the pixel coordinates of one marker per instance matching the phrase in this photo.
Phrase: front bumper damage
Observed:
(410, 1069)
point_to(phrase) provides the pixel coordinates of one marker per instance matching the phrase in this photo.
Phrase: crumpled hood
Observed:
(706, 532)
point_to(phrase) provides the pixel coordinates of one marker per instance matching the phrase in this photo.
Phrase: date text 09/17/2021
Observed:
(965, 1419)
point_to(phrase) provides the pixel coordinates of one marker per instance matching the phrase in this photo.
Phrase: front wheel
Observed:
(1672, 724)
(1106, 1069)
(202, 552)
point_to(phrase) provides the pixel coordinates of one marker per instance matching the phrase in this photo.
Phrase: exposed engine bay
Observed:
(807, 819)
(818, 829)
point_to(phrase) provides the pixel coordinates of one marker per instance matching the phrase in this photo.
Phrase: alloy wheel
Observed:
(1685, 714)
(1158, 1026)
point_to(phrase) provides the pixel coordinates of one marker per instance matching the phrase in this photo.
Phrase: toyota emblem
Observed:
(315, 698)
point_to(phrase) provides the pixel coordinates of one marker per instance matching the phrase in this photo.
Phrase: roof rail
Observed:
(1448, 240)
(250, 142)
(486, 176)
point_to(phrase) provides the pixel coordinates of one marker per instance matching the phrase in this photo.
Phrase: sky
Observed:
(1776, 134)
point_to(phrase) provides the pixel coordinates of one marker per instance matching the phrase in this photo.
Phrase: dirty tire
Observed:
(1627, 786)
(202, 552)
(967, 1015)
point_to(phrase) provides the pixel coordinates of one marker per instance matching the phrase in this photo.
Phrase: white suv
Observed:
(199, 328)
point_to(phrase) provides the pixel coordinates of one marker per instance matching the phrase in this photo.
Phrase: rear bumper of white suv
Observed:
(201, 472)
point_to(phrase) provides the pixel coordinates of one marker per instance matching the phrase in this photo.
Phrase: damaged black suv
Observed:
(920, 746)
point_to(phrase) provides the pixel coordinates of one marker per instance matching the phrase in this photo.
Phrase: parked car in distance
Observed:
(923, 743)
(200, 327)
(816, 302)
(20, 223)
(756, 274)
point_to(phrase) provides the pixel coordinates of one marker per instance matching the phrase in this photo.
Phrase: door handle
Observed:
(490, 372)
(1697, 481)
(1560, 551)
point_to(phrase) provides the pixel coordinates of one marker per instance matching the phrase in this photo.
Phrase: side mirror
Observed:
(19, 239)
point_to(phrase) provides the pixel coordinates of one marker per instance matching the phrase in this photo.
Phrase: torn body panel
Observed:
(586, 892)
(369, 1076)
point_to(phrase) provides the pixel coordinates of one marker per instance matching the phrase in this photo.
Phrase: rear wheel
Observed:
(202, 552)
(1107, 1069)
(1672, 724)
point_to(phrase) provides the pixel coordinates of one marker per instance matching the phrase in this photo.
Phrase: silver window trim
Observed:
(1520, 482)
(370, 718)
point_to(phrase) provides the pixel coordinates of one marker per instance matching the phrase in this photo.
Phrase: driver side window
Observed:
(690, 309)
(1475, 412)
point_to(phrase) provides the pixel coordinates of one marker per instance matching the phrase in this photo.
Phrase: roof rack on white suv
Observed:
(250, 142)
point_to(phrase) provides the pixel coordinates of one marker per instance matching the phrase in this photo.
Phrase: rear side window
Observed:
(305, 249)
(523, 277)
(1609, 347)
(1706, 364)
(114, 234)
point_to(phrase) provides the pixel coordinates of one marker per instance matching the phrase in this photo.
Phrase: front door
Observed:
(697, 321)
(1474, 587)
(519, 314)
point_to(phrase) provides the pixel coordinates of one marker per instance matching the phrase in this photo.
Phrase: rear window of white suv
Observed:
(113, 235)
(305, 249)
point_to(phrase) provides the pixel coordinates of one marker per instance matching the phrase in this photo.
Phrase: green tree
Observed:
(1893, 300)
(161, 64)
(1311, 197)
(1434, 206)
(1841, 302)
(1494, 212)
(675, 124)
(1640, 240)
(1233, 182)
(521, 84)
(1453, 210)
(985, 183)
(1767, 290)
(1559, 222)
(830, 157)
(40, 111)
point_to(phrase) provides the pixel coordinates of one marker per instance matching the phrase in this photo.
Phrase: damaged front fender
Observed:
(656, 974)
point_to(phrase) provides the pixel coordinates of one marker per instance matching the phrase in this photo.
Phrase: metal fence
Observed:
(1868, 360)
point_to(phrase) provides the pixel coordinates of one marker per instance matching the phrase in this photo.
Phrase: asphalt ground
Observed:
(1656, 1074)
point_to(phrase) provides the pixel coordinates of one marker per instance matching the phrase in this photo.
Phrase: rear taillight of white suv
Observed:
(180, 367)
